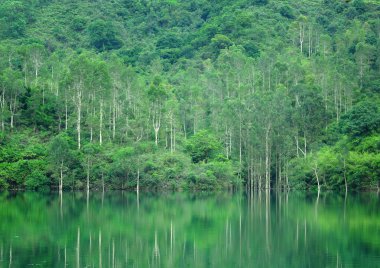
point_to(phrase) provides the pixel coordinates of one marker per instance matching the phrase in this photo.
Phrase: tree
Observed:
(203, 146)
(157, 95)
(103, 35)
(60, 155)
(91, 154)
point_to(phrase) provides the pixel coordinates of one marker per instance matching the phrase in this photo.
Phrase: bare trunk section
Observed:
(301, 36)
(61, 177)
(267, 158)
(114, 116)
(79, 116)
(317, 177)
(2, 107)
(66, 115)
(88, 175)
(156, 126)
(101, 123)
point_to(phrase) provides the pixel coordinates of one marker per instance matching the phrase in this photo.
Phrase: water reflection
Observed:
(189, 230)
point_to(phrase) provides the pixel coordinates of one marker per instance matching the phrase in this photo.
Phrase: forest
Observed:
(190, 94)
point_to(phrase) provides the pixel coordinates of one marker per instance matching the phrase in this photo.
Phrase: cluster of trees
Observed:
(189, 94)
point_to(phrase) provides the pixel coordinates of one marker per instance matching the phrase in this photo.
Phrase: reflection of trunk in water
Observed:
(65, 257)
(267, 219)
(87, 203)
(345, 205)
(195, 253)
(305, 233)
(126, 253)
(297, 235)
(156, 250)
(61, 204)
(184, 247)
(100, 249)
(78, 249)
(240, 238)
(10, 256)
(316, 206)
(113, 253)
(90, 246)
(138, 201)
(171, 238)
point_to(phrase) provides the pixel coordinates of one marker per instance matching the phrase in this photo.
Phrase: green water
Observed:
(189, 230)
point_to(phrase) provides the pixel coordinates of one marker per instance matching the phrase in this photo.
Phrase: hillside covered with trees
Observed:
(189, 94)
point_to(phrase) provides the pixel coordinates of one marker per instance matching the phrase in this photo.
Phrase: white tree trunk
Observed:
(316, 176)
(61, 178)
(88, 175)
(267, 160)
(101, 123)
(79, 108)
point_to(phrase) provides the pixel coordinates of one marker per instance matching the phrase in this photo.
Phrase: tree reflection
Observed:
(188, 230)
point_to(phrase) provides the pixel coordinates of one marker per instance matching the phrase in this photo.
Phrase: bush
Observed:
(363, 170)
(36, 179)
(203, 146)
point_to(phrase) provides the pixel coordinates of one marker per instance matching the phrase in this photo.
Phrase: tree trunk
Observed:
(344, 174)
(267, 160)
(174, 141)
(156, 129)
(171, 133)
(61, 178)
(240, 142)
(79, 108)
(156, 125)
(305, 145)
(138, 181)
(114, 119)
(2, 105)
(301, 36)
(310, 35)
(316, 176)
(101, 123)
(102, 183)
(66, 117)
(88, 174)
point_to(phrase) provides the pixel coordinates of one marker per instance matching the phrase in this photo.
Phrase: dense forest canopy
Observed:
(193, 94)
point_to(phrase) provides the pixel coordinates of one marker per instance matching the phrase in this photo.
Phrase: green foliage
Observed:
(104, 90)
(36, 180)
(287, 12)
(60, 149)
(220, 41)
(363, 170)
(360, 170)
(165, 171)
(103, 35)
(369, 144)
(362, 120)
(13, 19)
(261, 2)
(203, 146)
(23, 163)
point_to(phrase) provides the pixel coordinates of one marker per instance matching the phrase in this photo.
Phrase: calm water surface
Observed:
(189, 230)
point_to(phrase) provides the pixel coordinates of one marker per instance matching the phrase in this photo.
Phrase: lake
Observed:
(119, 229)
